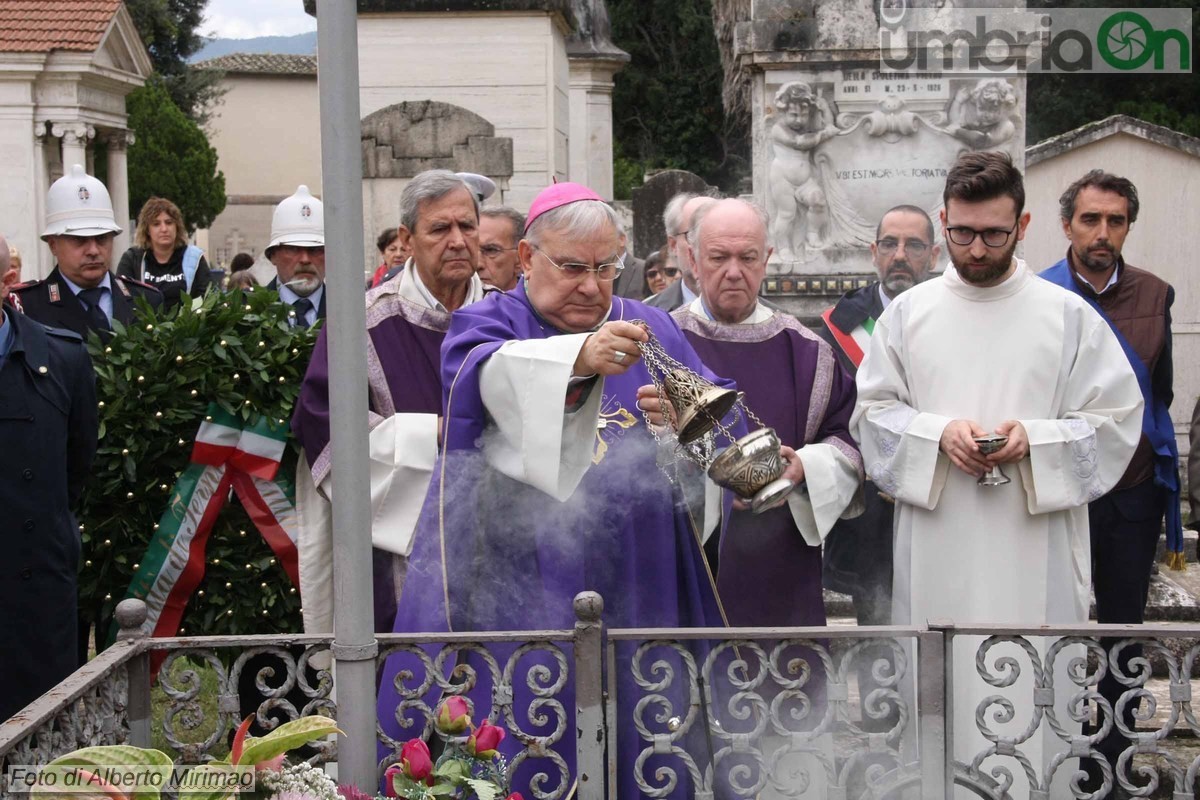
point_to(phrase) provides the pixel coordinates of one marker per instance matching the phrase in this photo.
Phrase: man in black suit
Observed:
(82, 294)
(677, 218)
(48, 429)
(297, 250)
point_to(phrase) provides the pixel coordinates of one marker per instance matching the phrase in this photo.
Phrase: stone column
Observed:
(118, 186)
(590, 150)
(37, 262)
(74, 137)
(592, 60)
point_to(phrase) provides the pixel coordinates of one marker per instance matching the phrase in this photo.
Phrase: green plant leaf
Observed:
(154, 762)
(485, 790)
(287, 736)
(200, 777)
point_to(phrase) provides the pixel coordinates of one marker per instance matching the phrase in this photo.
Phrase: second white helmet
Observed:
(298, 220)
(78, 205)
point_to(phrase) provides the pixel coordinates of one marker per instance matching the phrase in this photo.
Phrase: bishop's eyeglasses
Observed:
(602, 272)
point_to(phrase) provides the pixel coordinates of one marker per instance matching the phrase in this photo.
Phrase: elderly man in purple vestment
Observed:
(548, 485)
(770, 564)
(407, 319)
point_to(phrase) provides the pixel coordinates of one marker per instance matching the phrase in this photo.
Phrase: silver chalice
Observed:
(992, 443)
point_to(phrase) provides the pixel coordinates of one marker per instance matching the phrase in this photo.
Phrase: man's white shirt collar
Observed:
(887, 301)
(105, 283)
(412, 288)
(290, 297)
(688, 294)
(760, 313)
(1112, 280)
(106, 300)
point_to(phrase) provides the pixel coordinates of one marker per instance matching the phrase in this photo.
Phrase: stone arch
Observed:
(406, 138)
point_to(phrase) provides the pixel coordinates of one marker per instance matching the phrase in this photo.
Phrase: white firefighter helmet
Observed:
(298, 220)
(78, 205)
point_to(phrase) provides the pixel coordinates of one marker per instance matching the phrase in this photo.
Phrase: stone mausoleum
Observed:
(66, 67)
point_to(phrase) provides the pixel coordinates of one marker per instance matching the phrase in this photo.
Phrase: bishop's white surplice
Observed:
(1014, 554)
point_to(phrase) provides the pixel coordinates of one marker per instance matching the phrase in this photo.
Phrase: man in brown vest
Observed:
(1097, 212)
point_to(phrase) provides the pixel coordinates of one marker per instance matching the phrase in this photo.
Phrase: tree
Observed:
(667, 109)
(169, 31)
(171, 158)
(1061, 102)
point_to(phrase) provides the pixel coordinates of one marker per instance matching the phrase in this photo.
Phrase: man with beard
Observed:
(297, 250)
(990, 348)
(858, 551)
(1097, 212)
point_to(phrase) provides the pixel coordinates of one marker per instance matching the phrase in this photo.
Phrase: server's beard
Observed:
(988, 270)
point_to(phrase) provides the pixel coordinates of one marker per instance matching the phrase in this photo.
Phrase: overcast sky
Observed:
(243, 19)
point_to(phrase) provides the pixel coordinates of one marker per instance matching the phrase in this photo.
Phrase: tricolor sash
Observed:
(1156, 420)
(850, 342)
(225, 456)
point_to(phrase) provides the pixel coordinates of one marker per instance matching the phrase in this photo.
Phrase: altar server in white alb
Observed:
(990, 347)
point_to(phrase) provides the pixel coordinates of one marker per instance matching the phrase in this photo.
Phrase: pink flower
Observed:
(453, 715)
(416, 760)
(484, 740)
(354, 793)
(389, 775)
(515, 796)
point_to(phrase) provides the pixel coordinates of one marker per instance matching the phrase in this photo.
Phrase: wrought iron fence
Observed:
(931, 712)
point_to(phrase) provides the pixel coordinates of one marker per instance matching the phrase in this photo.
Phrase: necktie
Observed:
(302, 307)
(97, 319)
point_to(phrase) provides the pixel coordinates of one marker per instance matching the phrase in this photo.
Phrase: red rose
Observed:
(515, 796)
(484, 740)
(389, 775)
(453, 715)
(417, 763)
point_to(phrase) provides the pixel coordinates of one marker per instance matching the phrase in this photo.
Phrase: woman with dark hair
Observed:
(394, 254)
(657, 274)
(161, 255)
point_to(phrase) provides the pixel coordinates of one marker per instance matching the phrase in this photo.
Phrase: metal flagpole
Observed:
(354, 645)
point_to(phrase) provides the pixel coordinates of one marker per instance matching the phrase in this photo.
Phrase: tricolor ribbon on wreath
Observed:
(226, 455)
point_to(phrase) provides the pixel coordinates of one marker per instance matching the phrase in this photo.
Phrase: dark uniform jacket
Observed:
(858, 552)
(51, 302)
(48, 430)
(669, 298)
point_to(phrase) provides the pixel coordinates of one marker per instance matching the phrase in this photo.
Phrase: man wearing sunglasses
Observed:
(990, 348)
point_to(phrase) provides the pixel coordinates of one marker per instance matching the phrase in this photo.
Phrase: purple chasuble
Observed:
(492, 553)
(403, 344)
(767, 574)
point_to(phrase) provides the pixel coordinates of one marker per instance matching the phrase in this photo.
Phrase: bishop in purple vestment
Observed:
(548, 486)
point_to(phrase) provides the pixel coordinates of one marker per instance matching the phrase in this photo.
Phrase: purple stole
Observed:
(768, 575)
